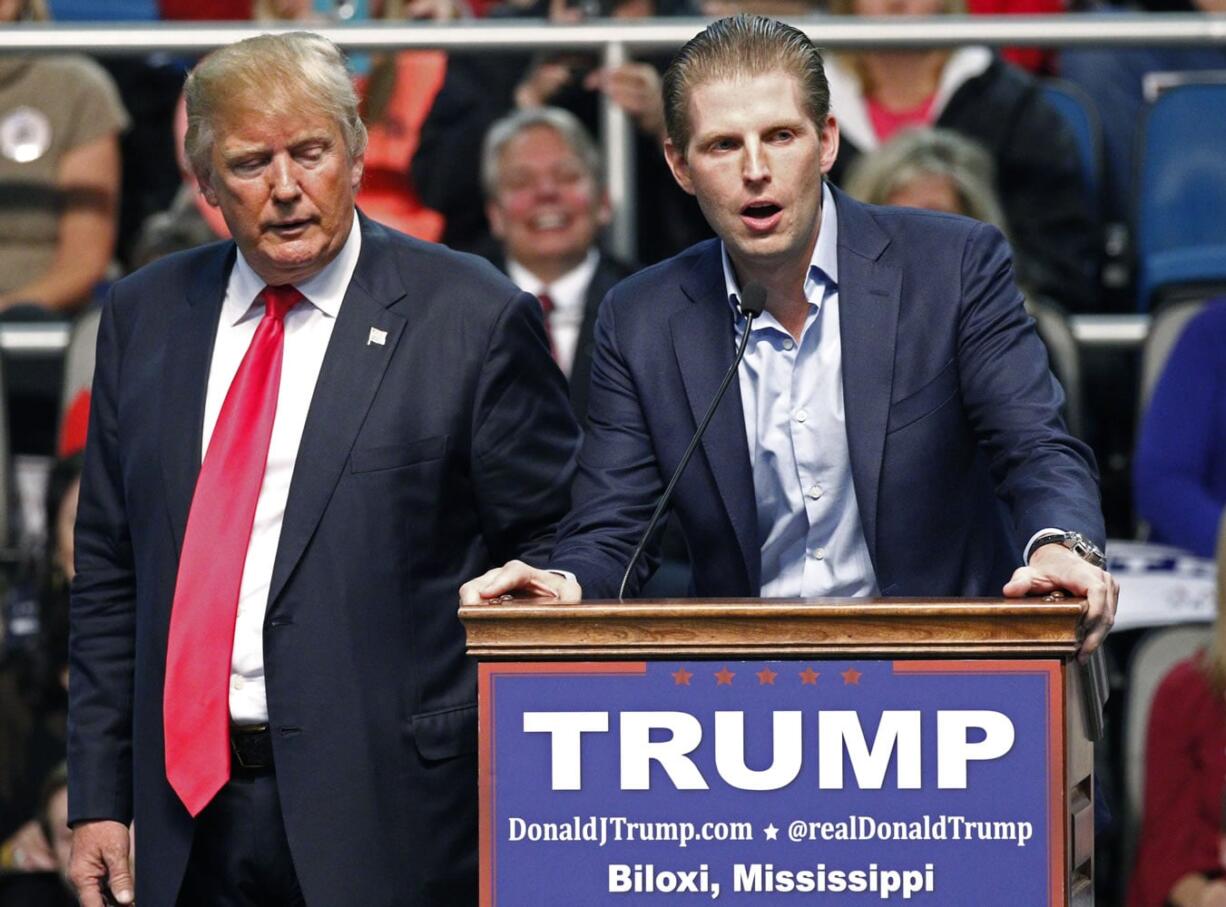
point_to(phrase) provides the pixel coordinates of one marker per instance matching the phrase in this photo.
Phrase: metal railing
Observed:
(834, 32)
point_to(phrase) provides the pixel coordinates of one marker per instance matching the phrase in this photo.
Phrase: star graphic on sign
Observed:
(772, 833)
(681, 677)
(766, 676)
(808, 677)
(851, 677)
(724, 677)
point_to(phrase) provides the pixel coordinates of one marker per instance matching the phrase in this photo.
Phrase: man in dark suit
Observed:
(267, 670)
(546, 204)
(894, 395)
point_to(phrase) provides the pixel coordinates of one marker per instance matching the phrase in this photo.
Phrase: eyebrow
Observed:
(246, 150)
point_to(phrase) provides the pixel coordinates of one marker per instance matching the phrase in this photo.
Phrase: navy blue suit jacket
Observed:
(958, 451)
(424, 462)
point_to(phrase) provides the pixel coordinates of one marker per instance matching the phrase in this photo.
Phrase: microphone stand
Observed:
(753, 301)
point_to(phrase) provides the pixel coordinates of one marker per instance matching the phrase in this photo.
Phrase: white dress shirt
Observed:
(569, 295)
(308, 327)
(809, 529)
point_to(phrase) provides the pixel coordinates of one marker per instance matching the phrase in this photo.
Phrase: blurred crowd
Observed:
(498, 153)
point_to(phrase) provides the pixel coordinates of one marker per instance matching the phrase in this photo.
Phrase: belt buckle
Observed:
(250, 730)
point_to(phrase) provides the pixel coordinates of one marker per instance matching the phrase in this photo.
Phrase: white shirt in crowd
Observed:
(569, 294)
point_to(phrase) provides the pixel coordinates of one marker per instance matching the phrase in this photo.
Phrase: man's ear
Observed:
(203, 182)
(829, 135)
(678, 165)
(498, 225)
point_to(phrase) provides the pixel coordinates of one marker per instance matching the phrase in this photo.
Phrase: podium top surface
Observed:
(531, 628)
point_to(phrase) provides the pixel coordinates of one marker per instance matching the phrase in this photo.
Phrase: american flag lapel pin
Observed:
(377, 337)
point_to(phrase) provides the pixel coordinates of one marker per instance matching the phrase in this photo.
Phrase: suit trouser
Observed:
(240, 856)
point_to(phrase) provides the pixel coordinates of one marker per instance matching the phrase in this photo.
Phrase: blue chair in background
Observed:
(1181, 194)
(1079, 113)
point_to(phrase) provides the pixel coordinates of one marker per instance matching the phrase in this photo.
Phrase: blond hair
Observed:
(289, 72)
(876, 176)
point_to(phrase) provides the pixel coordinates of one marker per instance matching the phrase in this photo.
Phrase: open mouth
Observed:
(761, 215)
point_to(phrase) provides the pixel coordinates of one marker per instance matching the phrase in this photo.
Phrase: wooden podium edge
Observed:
(722, 628)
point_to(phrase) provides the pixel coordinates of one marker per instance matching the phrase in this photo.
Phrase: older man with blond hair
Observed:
(302, 440)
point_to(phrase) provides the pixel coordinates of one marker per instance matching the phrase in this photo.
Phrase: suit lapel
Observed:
(601, 282)
(189, 353)
(869, 296)
(348, 379)
(704, 343)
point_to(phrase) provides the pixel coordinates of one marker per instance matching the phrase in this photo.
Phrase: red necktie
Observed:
(546, 302)
(195, 699)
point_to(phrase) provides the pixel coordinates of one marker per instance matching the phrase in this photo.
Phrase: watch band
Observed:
(1075, 542)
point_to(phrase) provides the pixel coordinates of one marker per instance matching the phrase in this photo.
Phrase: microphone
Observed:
(753, 301)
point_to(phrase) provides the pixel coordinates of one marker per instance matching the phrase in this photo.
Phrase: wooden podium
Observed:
(896, 638)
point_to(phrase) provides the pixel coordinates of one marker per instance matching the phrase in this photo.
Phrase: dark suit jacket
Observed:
(423, 462)
(948, 398)
(608, 272)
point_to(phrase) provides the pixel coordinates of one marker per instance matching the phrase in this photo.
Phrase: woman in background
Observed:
(935, 169)
(877, 94)
(1178, 858)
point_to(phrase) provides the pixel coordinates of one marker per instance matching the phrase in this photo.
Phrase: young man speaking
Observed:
(894, 394)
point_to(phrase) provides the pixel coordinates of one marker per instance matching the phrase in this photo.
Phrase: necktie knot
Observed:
(279, 300)
(546, 302)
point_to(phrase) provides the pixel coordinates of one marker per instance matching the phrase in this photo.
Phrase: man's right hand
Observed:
(100, 863)
(517, 578)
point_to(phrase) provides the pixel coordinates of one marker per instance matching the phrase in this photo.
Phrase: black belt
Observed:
(251, 745)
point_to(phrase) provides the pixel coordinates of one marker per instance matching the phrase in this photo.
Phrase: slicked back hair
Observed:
(290, 73)
(737, 47)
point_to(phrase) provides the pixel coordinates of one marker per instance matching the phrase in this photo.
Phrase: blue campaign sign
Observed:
(830, 782)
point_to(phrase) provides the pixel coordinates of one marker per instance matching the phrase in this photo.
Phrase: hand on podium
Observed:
(1053, 568)
(515, 578)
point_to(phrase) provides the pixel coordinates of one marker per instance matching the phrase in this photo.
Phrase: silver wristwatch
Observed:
(1074, 542)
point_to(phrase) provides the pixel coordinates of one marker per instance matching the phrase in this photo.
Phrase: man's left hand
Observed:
(1054, 567)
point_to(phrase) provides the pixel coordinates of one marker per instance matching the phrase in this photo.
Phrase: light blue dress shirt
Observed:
(809, 529)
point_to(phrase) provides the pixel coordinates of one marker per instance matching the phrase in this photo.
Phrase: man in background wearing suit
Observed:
(546, 204)
(301, 442)
(894, 429)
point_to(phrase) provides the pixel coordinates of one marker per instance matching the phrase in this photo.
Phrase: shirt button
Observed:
(237, 682)
(801, 415)
(789, 344)
(814, 492)
(819, 554)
